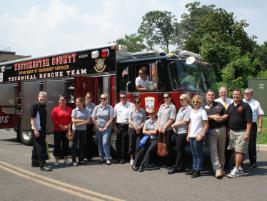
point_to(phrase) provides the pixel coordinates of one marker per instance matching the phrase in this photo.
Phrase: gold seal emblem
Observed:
(100, 65)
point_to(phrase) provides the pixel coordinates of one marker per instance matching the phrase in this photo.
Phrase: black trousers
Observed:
(167, 160)
(144, 155)
(78, 145)
(229, 161)
(180, 140)
(134, 139)
(252, 144)
(122, 141)
(89, 146)
(60, 144)
(39, 151)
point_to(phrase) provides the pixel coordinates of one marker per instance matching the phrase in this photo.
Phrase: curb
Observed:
(261, 147)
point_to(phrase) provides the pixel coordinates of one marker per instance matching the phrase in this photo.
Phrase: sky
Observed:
(45, 27)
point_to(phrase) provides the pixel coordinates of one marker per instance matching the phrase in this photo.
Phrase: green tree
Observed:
(260, 54)
(133, 42)
(220, 40)
(157, 28)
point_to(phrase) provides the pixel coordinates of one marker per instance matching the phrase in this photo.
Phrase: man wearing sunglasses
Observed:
(141, 82)
(240, 121)
(257, 117)
(122, 111)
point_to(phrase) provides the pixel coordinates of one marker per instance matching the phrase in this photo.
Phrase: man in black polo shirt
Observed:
(240, 121)
(38, 124)
(216, 133)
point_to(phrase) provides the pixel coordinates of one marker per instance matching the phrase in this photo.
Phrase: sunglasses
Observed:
(122, 97)
(246, 93)
(136, 102)
(196, 102)
(181, 99)
(140, 73)
(103, 98)
(165, 97)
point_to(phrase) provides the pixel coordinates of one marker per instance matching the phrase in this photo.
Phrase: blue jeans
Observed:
(103, 142)
(197, 154)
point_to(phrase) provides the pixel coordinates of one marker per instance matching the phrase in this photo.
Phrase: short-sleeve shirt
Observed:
(151, 125)
(256, 109)
(90, 108)
(216, 108)
(103, 114)
(140, 82)
(38, 112)
(138, 117)
(165, 113)
(239, 116)
(196, 121)
(122, 112)
(183, 115)
(79, 114)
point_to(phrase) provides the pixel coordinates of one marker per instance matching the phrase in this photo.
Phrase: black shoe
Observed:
(191, 172)
(141, 169)
(82, 162)
(45, 168)
(35, 164)
(134, 168)
(101, 160)
(253, 165)
(122, 161)
(195, 174)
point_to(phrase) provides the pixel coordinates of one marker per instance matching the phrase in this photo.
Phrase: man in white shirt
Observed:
(223, 99)
(141, 82)
(257, 119)
(122, 111)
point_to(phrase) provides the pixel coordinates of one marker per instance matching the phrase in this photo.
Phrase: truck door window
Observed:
(186, 77)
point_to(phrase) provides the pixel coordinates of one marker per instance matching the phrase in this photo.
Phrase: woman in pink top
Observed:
(61, 117)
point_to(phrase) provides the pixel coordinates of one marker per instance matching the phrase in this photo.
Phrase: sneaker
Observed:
(56, 162)
(253, 165)
(234, 173)
(66, 161)
(75, 164)
(141, 169)
(45, 168)
(190, 172)
(101, 160)
(131, 161)
(35, 164)
(122, 161)
(108, 162)
(240, 171)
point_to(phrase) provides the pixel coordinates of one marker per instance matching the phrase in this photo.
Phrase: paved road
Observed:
(20, 182)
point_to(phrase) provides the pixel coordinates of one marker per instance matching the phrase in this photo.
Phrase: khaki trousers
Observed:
(217, 138)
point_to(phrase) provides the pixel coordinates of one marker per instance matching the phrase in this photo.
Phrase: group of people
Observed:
(230, 125)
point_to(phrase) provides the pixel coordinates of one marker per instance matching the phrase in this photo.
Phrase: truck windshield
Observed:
(186, 77)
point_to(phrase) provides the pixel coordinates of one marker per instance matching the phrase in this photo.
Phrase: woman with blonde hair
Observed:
(197, 129)
(180, 128)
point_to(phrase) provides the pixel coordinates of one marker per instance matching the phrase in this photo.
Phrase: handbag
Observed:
(70, 133)
(162, 147)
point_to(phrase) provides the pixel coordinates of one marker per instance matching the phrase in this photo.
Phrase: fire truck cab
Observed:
(98, 70)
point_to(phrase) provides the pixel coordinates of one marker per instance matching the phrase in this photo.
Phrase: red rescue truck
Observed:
(98, 70)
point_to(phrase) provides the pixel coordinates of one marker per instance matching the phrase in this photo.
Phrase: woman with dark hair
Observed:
(80, 118)
(61, 117)
(136, 122)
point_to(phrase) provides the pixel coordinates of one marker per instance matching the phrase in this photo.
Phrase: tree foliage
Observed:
(157, 28)
(133, 42)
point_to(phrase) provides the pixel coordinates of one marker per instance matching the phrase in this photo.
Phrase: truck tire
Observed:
(26, 137)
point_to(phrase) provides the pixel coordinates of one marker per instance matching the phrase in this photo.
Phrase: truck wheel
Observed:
(26, 137)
